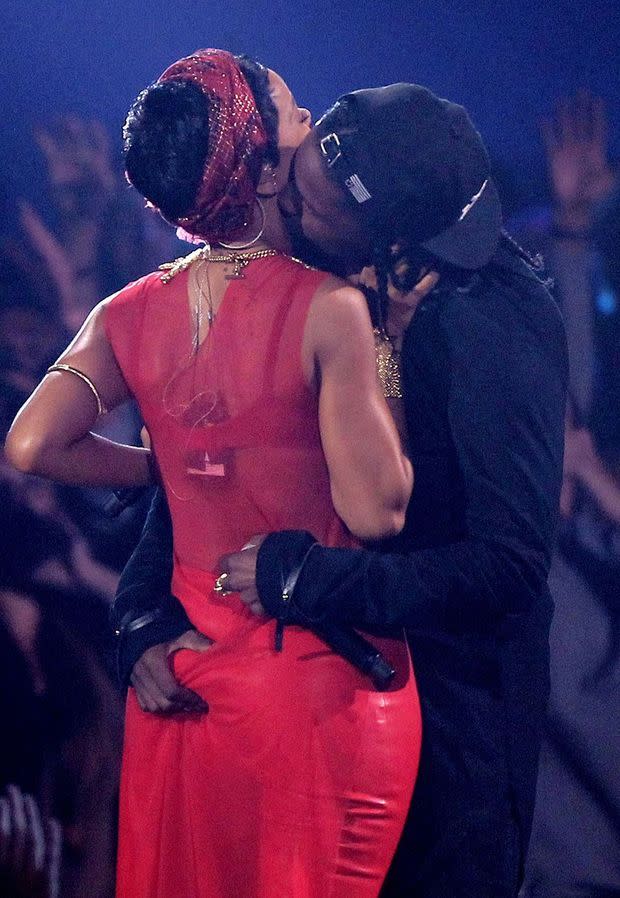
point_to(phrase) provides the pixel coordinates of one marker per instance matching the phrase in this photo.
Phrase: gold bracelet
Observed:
(388, 365)
(101, 409)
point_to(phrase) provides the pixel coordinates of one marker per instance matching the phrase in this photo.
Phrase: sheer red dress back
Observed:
(297, 781)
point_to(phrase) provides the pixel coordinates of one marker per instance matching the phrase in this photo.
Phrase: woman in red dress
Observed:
(255, 376)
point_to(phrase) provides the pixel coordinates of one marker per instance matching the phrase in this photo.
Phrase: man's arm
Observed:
(506, 411)
(144, 613)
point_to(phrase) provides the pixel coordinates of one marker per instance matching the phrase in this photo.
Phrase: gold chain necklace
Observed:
(239, 261)
(203, 256)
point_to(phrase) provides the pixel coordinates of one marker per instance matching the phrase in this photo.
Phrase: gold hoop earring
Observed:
(254, 240)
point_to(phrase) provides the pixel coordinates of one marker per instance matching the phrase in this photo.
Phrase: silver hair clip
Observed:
(467, 209)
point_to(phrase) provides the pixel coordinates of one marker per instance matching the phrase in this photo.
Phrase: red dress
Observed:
(297, 782)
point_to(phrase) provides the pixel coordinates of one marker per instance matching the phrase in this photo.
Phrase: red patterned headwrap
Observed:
(236, 138)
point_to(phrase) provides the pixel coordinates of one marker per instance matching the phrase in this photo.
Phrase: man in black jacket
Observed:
(397, 178)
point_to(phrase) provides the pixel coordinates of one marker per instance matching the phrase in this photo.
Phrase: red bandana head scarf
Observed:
(237, 138)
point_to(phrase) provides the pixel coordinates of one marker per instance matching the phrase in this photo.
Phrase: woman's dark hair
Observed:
(166, 138)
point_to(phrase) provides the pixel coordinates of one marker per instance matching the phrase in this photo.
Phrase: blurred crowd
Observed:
(61, 554)
(575, 847)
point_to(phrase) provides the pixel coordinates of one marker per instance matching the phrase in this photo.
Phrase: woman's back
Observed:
(240, 397)
(298, 778)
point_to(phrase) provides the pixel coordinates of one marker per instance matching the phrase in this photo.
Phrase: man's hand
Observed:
(240, 571)
(29, 847)
(402, 306)
(156, 688)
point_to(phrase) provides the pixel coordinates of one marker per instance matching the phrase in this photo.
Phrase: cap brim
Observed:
(472, 242)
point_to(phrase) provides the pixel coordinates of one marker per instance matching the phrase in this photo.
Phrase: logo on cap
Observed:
(470, 205)
(357, 188)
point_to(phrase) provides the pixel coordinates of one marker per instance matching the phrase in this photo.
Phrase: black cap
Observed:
(407, 143)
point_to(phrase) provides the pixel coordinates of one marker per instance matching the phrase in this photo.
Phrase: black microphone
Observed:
(358, 651)
(345, 641)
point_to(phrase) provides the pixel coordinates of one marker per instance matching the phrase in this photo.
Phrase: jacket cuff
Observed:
(135, 636)
(278, 565)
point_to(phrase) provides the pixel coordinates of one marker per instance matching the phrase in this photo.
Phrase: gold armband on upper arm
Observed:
(101, 409)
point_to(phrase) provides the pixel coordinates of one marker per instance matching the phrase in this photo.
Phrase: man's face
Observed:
(322, 219)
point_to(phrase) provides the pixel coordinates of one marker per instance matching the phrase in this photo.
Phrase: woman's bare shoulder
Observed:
(136, 290)
(339, 305)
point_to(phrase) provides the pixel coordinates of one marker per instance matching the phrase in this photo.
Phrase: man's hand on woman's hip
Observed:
(156, 688)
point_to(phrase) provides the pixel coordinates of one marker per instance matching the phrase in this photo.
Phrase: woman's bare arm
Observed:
(51, 434)
(371, 478)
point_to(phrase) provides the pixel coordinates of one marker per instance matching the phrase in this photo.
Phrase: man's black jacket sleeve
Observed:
(144, 612)
(506, 395)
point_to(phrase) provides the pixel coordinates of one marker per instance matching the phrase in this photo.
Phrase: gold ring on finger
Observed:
(218, 586)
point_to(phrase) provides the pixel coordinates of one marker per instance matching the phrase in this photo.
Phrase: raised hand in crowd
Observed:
(584, 466)
(576, 147)
(82, 184)
(58, 263)
(30, 848)
(77, 154)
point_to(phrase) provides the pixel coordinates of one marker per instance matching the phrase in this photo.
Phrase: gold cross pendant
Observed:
(237, 272)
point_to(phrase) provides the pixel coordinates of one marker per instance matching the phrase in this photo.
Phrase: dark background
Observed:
(507, 62)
